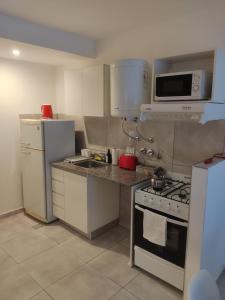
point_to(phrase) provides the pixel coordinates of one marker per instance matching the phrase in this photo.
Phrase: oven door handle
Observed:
(184, 224)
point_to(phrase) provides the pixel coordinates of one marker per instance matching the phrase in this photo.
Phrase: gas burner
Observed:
(158, 189)
(183, 194)
(174, 189)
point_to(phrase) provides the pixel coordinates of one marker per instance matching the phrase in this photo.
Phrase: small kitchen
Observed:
(112, 168)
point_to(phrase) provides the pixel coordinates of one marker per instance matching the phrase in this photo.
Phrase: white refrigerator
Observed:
(42, 142)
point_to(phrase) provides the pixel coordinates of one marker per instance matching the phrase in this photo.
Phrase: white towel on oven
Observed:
(154, 228)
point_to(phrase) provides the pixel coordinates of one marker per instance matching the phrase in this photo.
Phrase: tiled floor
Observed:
(42, 262)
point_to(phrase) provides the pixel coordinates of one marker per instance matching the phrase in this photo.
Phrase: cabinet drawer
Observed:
(58, 187)
(58, 199)
(57, 174)
(58, 212)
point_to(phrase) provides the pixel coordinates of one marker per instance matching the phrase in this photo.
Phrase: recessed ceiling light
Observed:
(16, 52)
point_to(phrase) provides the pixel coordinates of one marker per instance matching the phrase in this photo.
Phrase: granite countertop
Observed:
(109, 172)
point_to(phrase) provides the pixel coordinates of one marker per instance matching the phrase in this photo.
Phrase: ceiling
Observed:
(97, 19)
(100, 19)
(35, 54)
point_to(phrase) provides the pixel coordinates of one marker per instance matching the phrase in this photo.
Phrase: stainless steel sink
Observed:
(89, 164)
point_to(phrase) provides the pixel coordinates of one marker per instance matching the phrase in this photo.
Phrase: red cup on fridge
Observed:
(46, 111)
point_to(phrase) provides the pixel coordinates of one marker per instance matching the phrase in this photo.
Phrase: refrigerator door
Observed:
(33, 178)
(32, 134)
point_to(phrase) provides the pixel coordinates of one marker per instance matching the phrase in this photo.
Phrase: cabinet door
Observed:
(73, 92)
(95, 91)
(76, 201)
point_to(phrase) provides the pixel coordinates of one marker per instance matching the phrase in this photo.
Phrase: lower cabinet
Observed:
(76, 201)
(88, 204)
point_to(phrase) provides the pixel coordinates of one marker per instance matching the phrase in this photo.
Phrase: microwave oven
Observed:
(184, 86)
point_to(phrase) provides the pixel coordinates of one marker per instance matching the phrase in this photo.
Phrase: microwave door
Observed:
(172, 88)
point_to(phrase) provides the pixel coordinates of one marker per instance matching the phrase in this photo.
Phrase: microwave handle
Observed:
(184, 224)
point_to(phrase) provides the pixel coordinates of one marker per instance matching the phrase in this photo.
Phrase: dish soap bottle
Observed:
(109, 157)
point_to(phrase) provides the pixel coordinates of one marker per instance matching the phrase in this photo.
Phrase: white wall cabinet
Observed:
(87, 91)
(73, 92)
(96, 91)
(86, 203)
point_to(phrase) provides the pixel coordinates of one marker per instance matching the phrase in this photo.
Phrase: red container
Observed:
(46, 111)
(128, 161)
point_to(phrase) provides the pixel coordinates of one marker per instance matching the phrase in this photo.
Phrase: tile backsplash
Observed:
(180, 144)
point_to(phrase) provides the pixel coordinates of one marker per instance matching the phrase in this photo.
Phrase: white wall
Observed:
(193, 32)
(23, 88)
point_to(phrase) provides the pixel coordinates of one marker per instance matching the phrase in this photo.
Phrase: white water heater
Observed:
(129, 87)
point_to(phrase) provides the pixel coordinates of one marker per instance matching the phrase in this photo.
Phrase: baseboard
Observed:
(95, 233)
(12, 212)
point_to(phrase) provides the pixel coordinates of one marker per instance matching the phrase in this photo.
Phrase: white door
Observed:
(31, 134)
(33, 180)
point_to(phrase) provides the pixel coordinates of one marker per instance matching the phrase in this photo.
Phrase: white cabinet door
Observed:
(73, 92)
(76, 201)
(95, 91)
(33, 181)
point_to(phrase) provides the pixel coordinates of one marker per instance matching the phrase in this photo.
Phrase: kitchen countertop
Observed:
(108, 172)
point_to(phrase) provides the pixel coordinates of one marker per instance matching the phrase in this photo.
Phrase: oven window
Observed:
(178, 85)
(175, 248)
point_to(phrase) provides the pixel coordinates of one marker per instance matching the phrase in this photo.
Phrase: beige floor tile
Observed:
(126, 242)
(114, 265)
(51, 265)
(15, 284)
(28, 220)
(10, 227)
(27, 244)
(56, 232)
(117, 233)
(84, 249)
(147, 287)
(41, 296)
(6, 261)
(84, 284)
(124, 295)
(104, 241)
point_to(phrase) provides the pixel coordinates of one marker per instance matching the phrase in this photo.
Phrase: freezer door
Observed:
(33, 181)
(32, 134)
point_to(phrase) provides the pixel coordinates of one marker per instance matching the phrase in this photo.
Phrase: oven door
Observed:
(175, 248)
(173, 87)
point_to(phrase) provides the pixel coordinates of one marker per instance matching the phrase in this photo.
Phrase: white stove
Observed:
(173, 199)
(166, 262)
